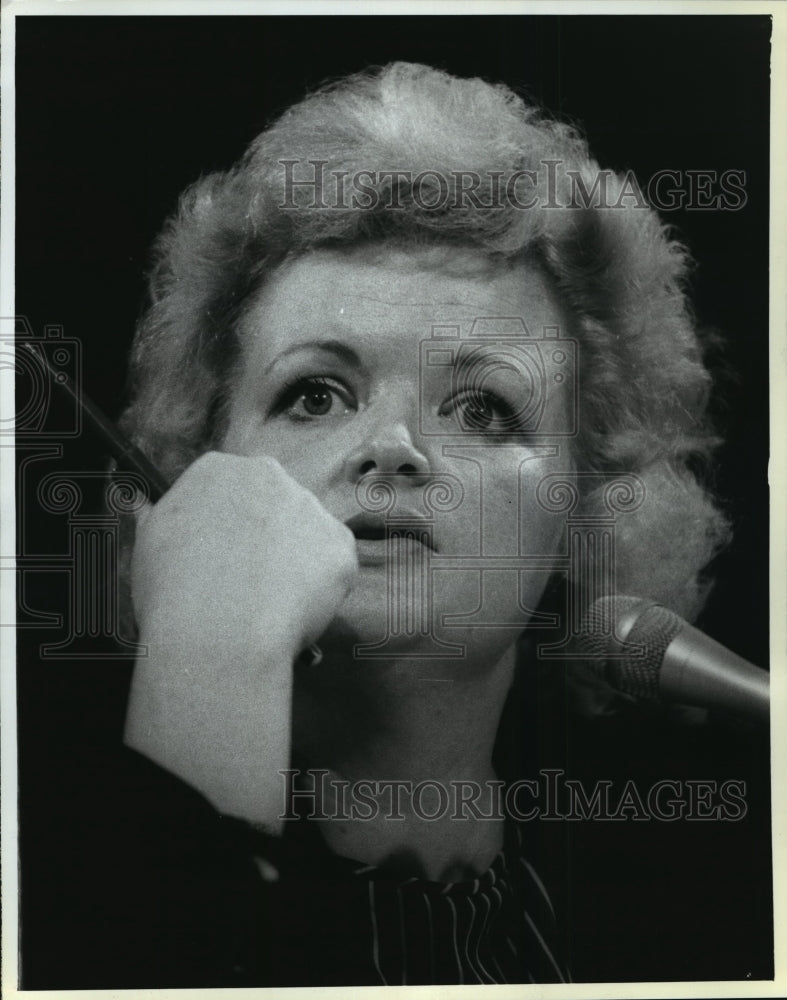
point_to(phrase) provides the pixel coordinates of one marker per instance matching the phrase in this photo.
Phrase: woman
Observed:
(359, 367)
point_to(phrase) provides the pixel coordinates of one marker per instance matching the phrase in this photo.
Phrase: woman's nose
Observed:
(388, 448)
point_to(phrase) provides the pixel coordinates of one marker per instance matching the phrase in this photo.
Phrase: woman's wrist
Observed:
(218, 718)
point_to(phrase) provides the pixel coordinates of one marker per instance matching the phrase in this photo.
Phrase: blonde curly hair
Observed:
(643, 384)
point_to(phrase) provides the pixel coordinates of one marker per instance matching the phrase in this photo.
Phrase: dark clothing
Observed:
(150, 887)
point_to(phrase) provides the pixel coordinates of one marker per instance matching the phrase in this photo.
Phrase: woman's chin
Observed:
(369, 626)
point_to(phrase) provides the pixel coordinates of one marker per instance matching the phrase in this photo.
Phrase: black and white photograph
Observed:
(386, 516)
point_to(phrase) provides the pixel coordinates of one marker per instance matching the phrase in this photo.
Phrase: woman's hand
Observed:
(236, 569)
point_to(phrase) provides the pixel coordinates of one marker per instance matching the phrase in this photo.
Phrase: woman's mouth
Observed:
(400, 542)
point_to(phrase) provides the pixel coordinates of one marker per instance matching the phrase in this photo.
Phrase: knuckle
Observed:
(264, 469)
(206, 464)
(266, 462)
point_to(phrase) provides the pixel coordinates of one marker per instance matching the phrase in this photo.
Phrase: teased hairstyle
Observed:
(643, 384)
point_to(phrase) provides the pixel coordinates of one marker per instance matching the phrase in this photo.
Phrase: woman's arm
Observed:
(235, 571)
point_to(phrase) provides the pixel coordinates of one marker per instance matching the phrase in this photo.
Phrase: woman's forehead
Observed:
(395, 289)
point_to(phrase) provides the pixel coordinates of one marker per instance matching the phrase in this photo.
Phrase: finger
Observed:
(142, 512)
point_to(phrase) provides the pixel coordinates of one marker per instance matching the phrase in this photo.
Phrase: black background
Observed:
(116, 115)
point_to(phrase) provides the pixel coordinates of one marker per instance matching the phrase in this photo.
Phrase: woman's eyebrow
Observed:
(336, 347)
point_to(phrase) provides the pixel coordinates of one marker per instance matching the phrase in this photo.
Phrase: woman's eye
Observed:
(481, 411)
(313, 397)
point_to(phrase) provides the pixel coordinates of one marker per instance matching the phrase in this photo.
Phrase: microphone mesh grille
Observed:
(596, 639)
(654, 631)
(637, 673)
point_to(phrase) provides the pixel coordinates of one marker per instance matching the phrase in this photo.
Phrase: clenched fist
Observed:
(235, 570)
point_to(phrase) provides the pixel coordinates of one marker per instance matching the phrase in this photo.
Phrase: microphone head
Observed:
(624, 640)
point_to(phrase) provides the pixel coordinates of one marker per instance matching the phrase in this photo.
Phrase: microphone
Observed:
(645, 650)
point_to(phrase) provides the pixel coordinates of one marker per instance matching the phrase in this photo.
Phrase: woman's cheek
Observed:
(515, 518)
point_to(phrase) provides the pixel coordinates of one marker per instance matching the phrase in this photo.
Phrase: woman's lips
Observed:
(401, 549)
(378, 541)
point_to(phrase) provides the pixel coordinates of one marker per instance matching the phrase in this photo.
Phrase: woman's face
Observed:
(415, 369)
